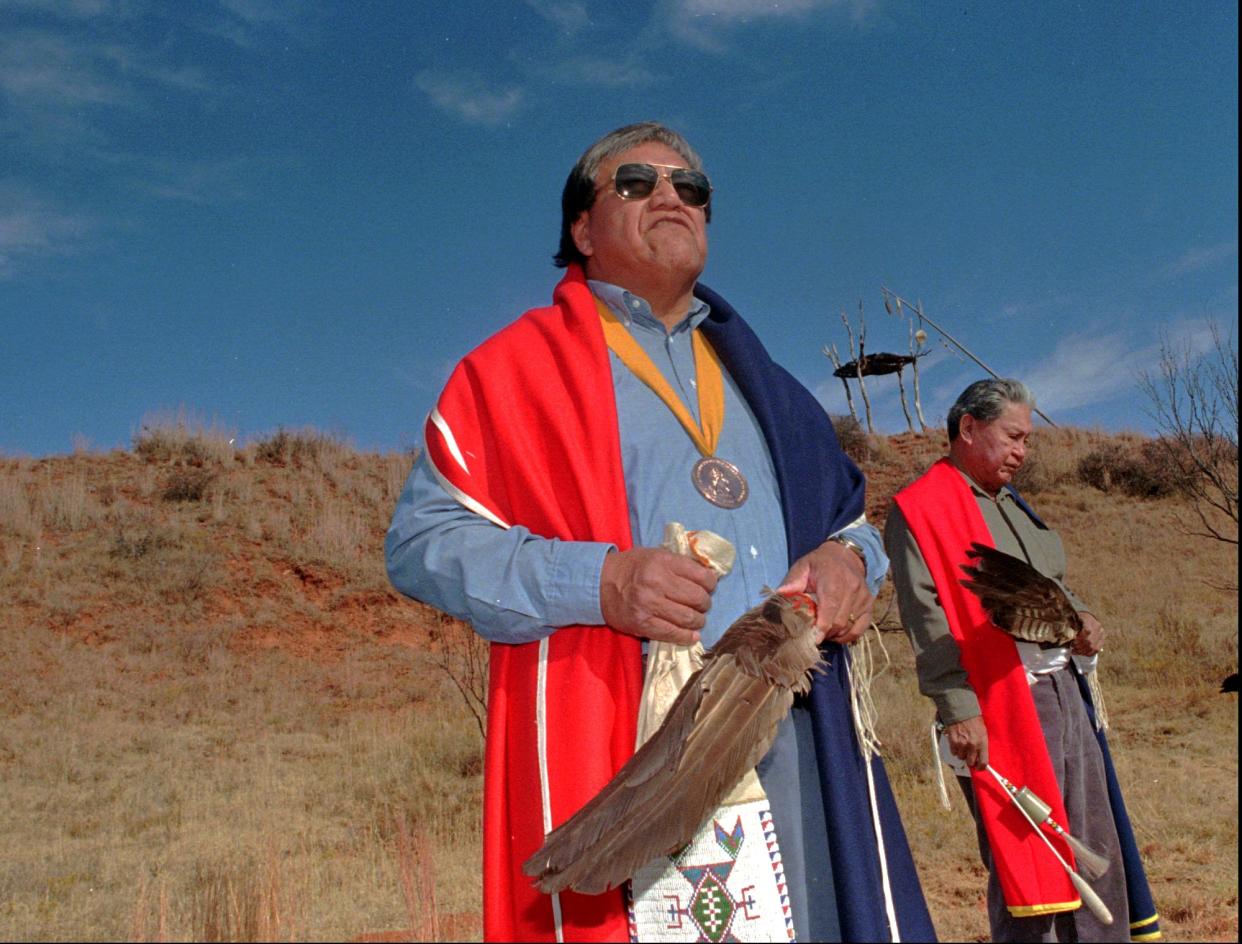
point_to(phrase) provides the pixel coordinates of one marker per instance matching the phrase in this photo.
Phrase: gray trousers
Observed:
(1079, 768)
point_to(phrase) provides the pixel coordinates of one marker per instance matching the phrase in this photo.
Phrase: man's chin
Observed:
(680, 266)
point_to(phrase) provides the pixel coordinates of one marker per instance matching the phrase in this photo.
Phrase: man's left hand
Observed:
(836, 578)
(1091, 640)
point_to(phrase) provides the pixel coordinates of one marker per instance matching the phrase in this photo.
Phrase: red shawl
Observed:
(561, 712)
(944, 517)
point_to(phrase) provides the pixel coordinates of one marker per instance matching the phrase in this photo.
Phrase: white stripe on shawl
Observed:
(457, 494)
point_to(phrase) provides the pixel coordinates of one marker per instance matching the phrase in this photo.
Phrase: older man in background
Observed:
(557, 453)
(1018, 705)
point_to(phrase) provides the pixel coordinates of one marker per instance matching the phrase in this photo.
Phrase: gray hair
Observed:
(579, 193)
(986, 400)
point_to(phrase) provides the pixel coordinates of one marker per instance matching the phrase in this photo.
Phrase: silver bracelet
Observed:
(853, 546)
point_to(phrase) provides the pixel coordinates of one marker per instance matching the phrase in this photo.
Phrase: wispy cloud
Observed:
(32, 227)
(58, 84)
(1198, 258)
(67, 56)
(627, 72)
(747, 9)
(40, 70)
(66, 9)
(466, 96)
(569, 16)
(201, 181)
(77, 77)
(1083, 370)
(705, 24)
(244, 22)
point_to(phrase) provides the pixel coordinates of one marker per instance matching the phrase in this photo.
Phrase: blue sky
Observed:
(303, 213)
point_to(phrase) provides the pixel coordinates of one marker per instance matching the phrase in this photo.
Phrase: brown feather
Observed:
(721, 724)
(1019, 599)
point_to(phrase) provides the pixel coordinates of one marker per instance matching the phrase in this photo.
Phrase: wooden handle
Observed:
(1090, 898)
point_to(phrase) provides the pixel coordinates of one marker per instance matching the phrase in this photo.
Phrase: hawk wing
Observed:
(721, 724)
(1019, 599)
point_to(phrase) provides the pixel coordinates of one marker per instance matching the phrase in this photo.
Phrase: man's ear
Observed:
(581, 232)
(966, 429)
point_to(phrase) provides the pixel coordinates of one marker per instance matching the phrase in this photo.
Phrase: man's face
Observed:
(649, 246)
(992, 451)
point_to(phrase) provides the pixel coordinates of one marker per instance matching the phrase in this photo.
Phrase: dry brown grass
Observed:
(218, 722)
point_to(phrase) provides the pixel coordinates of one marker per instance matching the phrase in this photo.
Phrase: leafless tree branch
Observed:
(1193, 400)
(462, 654)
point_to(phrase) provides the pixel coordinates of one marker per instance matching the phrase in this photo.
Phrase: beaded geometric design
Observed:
(726, 884)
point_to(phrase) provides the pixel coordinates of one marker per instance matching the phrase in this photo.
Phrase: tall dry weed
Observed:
(183, 436)
(337, 535)
(140, 929)
(416, 869)
(18, 516)
(395, 470)
(242, 901)
(66, 506)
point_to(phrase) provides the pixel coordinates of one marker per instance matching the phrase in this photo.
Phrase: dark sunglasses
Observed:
(638, 182)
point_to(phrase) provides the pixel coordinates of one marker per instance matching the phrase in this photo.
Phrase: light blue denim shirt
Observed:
(514, 586)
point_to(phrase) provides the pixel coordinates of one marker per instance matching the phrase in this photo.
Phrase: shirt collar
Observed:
(1003, 495)
(633, 310)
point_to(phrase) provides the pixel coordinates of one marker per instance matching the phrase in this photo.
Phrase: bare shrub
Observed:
(852, 437)
(136, 544)
(304, 448)
(273, 449)
(182, 437)
(880, 452)
(1132, 470)
(150, 562)
(1032, 478)
(462, 654)
(1194, 401)
(188, 484)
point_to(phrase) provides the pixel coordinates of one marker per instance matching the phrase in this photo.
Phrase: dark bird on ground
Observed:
(717, 729)
(1230, 684)
(1019, 599)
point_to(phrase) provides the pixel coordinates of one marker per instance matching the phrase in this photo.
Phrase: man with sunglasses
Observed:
(555, 457)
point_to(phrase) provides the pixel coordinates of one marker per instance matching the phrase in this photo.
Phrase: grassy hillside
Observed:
(218, 721)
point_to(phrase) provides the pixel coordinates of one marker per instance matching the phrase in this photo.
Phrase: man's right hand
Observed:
(968, 740)
(655, 594)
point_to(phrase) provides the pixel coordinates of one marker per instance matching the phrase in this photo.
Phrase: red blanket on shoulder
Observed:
(944, 518)
(561, 712)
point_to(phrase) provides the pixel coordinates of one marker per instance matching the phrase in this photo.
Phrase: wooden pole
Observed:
(858, 364)
(832, 355)
(915, 352)
(904, 409)
(955, 342)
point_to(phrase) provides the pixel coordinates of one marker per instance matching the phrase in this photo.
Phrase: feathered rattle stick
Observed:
(1091, 864)
(1024, 797)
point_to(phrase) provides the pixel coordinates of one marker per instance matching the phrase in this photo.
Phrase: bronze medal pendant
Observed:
(720, 482)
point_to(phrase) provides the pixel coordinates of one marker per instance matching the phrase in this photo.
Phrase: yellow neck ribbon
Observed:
(709, 379)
